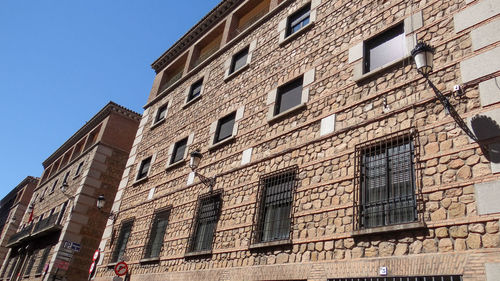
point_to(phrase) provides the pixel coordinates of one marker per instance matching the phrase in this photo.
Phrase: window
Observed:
(195, 90)
(12, 266)
(298, 20)
(78, 169)
(239, 60)
(275, 205)
(387, 182)
(66, 176)
(144, 168)
(160, 114)
(384, 48)
(288, 96)
(31, 262)
(155, 243)
(225, 127)
(121, 244)
(54, 186)
(43, 260)
(206, 221)
(179, 150)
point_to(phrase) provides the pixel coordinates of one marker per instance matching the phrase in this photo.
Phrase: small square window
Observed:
(298, 20)
(206, 222)
(144, 168)
(288, 96)
(195, 90)
(225, 127)
(384, 48)
(239, 60)
(160, 114)
(179, 151)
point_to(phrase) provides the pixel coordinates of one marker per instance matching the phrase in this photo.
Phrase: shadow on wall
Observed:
(485, 128)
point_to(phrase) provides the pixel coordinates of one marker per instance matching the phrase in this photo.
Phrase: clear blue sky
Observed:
(61, 61)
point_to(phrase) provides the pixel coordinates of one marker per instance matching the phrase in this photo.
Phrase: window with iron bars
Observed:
(209, 208)
(43, 260)
(121, 244)
(31, 263)
(276, 197)
(414, 278)
(386, 186)
(158, 228)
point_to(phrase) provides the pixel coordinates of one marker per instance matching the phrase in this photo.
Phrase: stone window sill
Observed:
(235, 73)
(150, 260)
(270, 244)
(379, 69)
(138, 181)
(389, 228)
(111, 264)
(175, 164)
(197, 254)
(157, 123)
(188, 103)
(296, 34)
(283, 114)
(221, 143)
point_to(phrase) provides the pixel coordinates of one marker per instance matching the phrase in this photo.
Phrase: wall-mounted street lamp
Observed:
(423, 55)
(101, 201)
(194, 162)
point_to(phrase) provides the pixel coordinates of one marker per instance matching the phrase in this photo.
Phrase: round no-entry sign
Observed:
(96, 255)
(92, 267)
(121, 268)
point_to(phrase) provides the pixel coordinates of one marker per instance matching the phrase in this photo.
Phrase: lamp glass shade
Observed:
(64, 186)
(423, 55)
(101, 201)
(194, 162)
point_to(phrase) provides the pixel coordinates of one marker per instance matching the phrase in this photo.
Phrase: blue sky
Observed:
(62, 61)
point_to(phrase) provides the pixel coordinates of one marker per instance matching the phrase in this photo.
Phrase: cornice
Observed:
(22, 184)
(195, 33)
(91, 124)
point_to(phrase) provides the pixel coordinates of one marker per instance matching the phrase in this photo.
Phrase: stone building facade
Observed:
(12, 208)
(326, 155)
(62, 227)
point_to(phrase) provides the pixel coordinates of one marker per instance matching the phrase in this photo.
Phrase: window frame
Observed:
(193, 247)
(243, 53)
(79, 169)
(158, 118)
(172, 159)
(391, 141)
(149, 247)
(302, 14)
(281, 92)
(381, 39)
(140, 174)
(263, 211)
(190, 96)
(118, 253)
(230, 117)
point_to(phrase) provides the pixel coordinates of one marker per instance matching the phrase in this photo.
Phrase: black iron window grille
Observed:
(288, 96)
(239, 60)
(413, 278)
(160, 114)
(121, 244)
(43, 260)
(209, 209)
(144, 168)
(275, 211)
(158, 229)
(225, 127)
(31, 263)
(195, 90)
(386, 190)
(179, 151)
(298, 20)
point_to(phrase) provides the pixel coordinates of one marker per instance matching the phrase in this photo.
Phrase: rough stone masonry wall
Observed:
(456, 240)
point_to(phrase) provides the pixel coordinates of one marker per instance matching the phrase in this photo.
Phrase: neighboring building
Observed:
(61, 229)
(12, 208)
(334, 160)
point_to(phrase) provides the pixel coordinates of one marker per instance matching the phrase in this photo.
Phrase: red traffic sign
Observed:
(92, 267)
(96, 255)
(121, 268)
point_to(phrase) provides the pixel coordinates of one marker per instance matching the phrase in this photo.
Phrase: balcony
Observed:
(47, 225)
(20, 236)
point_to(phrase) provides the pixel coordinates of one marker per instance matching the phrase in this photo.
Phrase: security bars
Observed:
(122, 240)
(158, 228)
(209, 208)
(386, 190)
(276, 197)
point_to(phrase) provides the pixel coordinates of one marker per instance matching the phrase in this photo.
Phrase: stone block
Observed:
(480, 65)
(487, 194)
